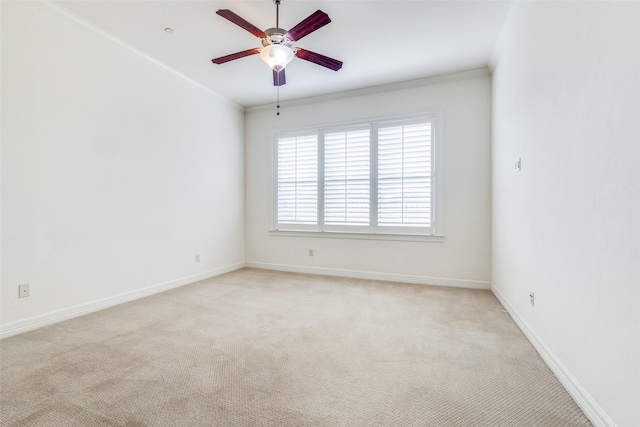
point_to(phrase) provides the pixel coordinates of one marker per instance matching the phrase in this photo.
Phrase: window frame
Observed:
(373, 231)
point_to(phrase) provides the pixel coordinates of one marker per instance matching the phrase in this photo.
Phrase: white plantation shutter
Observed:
(405, 175)
(347, 178)
(297, 180)
(364, 178)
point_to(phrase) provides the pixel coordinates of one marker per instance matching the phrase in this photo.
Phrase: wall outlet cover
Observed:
(23, 291)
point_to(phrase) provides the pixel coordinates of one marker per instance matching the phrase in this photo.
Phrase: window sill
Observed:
(361, 236)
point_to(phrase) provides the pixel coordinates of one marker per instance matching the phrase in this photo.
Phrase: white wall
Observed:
(115, 173)
(462, 259)
(566, 98)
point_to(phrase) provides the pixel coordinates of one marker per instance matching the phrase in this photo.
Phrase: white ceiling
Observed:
(380, 42)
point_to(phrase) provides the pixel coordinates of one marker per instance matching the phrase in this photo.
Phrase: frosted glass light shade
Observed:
(277, 56)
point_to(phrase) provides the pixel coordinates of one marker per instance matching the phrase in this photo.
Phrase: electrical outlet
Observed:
(310, 252)
(197, 257)
(23, 290)
(532, 298)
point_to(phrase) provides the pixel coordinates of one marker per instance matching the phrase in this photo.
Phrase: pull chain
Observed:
(277, 2)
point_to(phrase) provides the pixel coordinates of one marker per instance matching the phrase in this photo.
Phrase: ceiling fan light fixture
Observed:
(277, 56)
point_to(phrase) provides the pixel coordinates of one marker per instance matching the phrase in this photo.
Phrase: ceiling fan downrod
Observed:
(277, 3)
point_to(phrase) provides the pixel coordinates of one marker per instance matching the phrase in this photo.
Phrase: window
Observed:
(347, 196)
(298, 180)
(373, 178)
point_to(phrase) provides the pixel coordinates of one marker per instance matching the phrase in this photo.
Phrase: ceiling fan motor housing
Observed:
(276, 36)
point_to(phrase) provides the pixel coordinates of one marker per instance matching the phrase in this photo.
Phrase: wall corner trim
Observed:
(512, 14)
(20, 326)
(589, 406)
(372, 275)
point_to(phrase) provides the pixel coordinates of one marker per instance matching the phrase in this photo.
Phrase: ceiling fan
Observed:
(277, 50)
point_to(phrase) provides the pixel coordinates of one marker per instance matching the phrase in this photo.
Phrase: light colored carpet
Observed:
(261, 348)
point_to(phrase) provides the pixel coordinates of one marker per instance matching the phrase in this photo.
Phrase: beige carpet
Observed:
(260, 348)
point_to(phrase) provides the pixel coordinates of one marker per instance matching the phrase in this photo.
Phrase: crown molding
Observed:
(372, 90)
(62, 12)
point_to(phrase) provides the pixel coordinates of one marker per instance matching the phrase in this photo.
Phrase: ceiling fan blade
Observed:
(279, 78)
(316, 58)
(308, 25)
(241, 22)
(236, 55)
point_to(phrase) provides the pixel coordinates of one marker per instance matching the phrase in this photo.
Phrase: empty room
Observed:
(320, 213)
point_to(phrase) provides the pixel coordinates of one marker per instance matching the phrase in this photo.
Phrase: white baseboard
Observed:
(50, 318)
(589, 406)
(387, 277)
